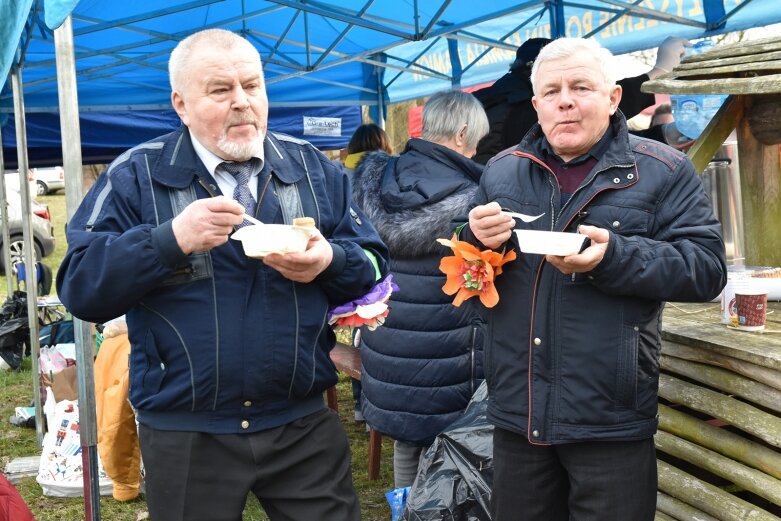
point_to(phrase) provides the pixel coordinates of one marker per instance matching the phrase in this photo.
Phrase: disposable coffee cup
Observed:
(752, 309)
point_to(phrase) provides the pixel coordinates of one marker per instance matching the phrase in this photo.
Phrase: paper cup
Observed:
(752, 309)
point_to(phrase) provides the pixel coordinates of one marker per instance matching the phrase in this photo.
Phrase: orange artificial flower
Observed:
(471, 272)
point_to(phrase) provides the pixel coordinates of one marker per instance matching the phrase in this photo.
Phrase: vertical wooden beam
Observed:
(760, 180)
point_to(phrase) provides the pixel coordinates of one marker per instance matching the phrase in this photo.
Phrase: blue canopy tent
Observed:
(324, 52)
(317, 53)
(350, 52)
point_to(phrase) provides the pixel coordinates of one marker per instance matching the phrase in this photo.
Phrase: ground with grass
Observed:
(16, 389)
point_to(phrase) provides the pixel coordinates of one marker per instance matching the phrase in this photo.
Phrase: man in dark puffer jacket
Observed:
(422, 366)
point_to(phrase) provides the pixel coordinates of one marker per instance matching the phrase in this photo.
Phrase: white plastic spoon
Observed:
(251, 219)
(525, 218)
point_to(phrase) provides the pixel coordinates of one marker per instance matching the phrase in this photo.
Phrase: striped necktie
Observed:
(242, 171)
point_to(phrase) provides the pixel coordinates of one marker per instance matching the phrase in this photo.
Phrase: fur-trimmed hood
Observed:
(415, 204)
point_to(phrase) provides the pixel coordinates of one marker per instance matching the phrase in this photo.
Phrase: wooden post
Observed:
(760, 180)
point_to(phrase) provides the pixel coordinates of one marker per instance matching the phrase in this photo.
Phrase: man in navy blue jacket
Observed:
(229, 354)
(572, 358)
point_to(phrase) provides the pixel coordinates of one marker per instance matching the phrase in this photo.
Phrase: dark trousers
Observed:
(299, 472)
(587, 481)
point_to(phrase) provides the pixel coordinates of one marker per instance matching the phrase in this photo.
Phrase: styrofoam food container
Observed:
(550, 243)
(261, 239)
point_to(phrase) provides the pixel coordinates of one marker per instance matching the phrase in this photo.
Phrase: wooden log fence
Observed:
(676, 509)
(719, 437)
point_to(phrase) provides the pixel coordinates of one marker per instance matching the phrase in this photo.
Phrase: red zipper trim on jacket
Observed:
(534, 301)
(537, 285)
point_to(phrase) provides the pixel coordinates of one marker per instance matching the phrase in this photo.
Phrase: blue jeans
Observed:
(585, 481)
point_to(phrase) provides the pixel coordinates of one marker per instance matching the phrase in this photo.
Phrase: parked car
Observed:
(12, 181)
(49, 180)
(43, 230)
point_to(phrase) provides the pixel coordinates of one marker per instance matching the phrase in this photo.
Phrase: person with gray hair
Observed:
(423, 365)
(572, 353)
(229, 354)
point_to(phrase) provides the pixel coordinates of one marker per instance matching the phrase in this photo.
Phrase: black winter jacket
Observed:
(422, 366)
(573, 358)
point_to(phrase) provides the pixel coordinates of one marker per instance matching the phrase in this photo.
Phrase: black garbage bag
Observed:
(14, 306)
(456, 473)
(14, 329)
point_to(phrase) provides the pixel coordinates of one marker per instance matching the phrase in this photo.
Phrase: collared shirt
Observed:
(225, 181)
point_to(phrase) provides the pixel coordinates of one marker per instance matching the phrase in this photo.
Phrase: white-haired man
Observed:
(573, 347)
(229, 354)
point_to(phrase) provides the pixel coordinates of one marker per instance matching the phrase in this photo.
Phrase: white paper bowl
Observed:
(549, 243)
(260, 240)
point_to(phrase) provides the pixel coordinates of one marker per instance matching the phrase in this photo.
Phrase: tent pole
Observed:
(71, 154)
(31, 271)
(380, 107)
(455, 63)
(6, 235)
(557, 21)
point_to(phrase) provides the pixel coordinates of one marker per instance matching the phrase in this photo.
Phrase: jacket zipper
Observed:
(472, 361)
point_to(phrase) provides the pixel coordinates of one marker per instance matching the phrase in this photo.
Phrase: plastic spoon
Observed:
(251, 219)
(525, 218)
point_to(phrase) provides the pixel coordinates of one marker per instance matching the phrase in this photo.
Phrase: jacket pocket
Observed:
(626, 367)
(197, 266)
(619, 219)
(147, 369)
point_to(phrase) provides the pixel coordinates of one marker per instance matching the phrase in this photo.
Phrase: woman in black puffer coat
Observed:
(422, 366)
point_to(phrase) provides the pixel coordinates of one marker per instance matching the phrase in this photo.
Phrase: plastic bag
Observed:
(60, 472)
(52, 360)
(397, 499)
(455, 475)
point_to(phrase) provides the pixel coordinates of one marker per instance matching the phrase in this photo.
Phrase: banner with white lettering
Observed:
(611, 26)
(320, 126)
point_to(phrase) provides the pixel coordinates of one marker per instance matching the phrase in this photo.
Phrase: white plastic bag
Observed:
(60, 472)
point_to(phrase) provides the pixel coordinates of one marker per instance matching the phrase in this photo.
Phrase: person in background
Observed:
(508, 101)
(229, 355)
(663, 129)
(366, 138)
(423, 365)
(663, 114)
(573, 344)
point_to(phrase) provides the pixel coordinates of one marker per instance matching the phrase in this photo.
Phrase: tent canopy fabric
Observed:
(333, 52)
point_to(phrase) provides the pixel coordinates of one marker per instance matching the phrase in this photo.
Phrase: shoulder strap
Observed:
(289, 200)
(298, 199)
